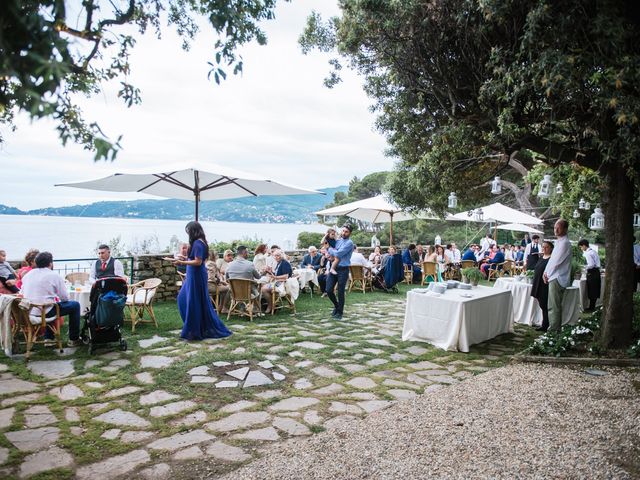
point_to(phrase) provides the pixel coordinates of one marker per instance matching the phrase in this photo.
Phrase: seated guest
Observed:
(508, 253)
(260, 258)
(240, 267)
(280, 274)
(28, 265)
(442, 259)
(494, 259)
(271, 260)
(407, 261)
(358, 259)
(106, 266)
(431, 255)
(7, 274)
(216, 282)
(224, 262)
(312, 259)
(419, 254)
(182, 254)
(375, 260)
(43, 285)
(455, 254)
(470, 253)
(519, 255)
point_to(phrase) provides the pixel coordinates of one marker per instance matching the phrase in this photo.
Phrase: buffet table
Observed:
(525, 308)
(457, 318)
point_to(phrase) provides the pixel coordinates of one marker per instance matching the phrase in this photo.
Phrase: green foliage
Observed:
(570, 338)
(116, 245)
(306, 239)
(472, 274)
(51, 52)
(250, 243)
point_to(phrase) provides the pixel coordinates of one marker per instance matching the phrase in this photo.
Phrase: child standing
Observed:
(7, 274)
(330, 240)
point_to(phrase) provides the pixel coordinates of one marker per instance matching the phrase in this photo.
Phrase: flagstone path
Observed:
(166, 406)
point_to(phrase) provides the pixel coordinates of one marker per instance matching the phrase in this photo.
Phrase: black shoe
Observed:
(337, 316)
(541, 329)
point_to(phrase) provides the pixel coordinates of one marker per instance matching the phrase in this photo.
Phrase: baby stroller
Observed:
(105, 318)
(389, 275)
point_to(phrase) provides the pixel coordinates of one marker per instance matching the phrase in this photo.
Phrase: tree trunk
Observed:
(619, 286)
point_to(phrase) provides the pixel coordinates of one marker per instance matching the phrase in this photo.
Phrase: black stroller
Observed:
(389, 275)
(105, 318)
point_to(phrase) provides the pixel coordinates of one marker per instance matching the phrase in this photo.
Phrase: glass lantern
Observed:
(587, 206)
(576, 214)
(453, 200)
(479, 215)
(496, 186)
(559, 189)
(636, 220)
(581, 204)
(596, 222)
(545, 187)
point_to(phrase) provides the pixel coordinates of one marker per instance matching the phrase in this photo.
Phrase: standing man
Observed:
(557, 273)
(106, 265)
(532, 253)
(43, 285)
(343, 250)
(593, 273)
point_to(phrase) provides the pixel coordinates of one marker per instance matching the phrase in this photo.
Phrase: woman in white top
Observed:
(260, 258)
(376, 257)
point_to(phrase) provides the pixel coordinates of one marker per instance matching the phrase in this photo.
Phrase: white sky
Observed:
(277, 119)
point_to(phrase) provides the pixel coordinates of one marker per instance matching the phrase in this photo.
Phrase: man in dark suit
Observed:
(311, 259)
(492, 263)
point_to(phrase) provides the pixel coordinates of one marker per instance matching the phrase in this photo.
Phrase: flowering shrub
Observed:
(569, 338)
(634, 351)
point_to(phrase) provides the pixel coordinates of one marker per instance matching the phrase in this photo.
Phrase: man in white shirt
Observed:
(358, 259)
(557, 273)
(457, 256)
(487, 242)
(593, 273)
(532, 253)
(106, 266)
(43, 285)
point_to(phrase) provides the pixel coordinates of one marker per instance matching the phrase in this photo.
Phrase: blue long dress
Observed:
(199, 318)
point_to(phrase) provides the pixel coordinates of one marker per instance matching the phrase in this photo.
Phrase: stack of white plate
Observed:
(464, 286)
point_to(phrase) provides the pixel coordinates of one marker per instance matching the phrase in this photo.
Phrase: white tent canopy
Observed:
(210, 182)
(496, 212)
(518, 227)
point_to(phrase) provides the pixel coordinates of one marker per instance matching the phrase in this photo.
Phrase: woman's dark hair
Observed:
(548, 243)
(30, 257)
(262, 248)
(44, 259)
(195, 232)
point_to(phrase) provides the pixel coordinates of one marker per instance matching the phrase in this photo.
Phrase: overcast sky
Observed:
(277, 118)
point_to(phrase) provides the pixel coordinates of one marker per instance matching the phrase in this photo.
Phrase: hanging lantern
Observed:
(545, 187)
(478, 215)
(453, 200)
(576, 214)
(587, 206)
(596, 222)
(581, 204)
(496, 186)
(559, 189)
(636, 220)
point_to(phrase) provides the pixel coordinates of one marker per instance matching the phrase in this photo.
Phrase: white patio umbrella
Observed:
(500, 213)
(374, 210)
(211, 182)
(518, 227)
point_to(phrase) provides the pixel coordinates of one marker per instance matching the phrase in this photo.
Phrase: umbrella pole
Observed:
(391, 229)
(196, 190)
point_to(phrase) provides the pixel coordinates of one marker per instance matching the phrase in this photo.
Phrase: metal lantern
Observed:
(581, 204)
(496, 186)
(478, 215)
(545, 187)
(453, 200)
(596, 222)
(587, 206)
(559, 189)
(576, 214)
(636, 220)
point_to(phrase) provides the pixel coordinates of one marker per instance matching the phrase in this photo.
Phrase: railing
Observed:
(69, 265)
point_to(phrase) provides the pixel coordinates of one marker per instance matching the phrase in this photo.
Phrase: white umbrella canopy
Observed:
(209, 182)
(498, 212)
(518, 227)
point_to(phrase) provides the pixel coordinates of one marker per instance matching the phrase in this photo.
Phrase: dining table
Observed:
(306, 275)
(81, 294)
(457, 318)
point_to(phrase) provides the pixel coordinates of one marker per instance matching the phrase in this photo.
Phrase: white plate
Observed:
(467, 295)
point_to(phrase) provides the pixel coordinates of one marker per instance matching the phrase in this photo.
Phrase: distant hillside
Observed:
(276, 209)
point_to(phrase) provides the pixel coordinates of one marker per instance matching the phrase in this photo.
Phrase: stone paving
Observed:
(166, 404)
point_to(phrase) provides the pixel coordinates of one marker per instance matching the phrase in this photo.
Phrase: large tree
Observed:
(53, 50)
(455, 82)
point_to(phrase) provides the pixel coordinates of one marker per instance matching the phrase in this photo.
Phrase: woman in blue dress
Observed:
(199, 318)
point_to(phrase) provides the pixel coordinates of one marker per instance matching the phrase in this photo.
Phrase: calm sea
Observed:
(76, 237)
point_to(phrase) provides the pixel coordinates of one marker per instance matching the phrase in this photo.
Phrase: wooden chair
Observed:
(495, 270)
(508, 268)
(280, 301)
(429, 269)
(359, 276)
(468, 264)
(243, 295)
(140, 299)
(33, 322)
(181, 278)
(408, 274)
(77, 278)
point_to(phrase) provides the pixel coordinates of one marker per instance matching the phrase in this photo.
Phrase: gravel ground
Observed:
(520, 421)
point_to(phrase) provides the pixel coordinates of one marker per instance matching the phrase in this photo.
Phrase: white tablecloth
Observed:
(82, 297)
(526, 309)
(306, 275)
(452, 322)
(582, 284)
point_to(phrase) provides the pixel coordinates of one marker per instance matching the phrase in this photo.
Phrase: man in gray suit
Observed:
(243, 268)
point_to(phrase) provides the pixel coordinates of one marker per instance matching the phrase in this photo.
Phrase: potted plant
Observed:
(471, 275)
(529, 276)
